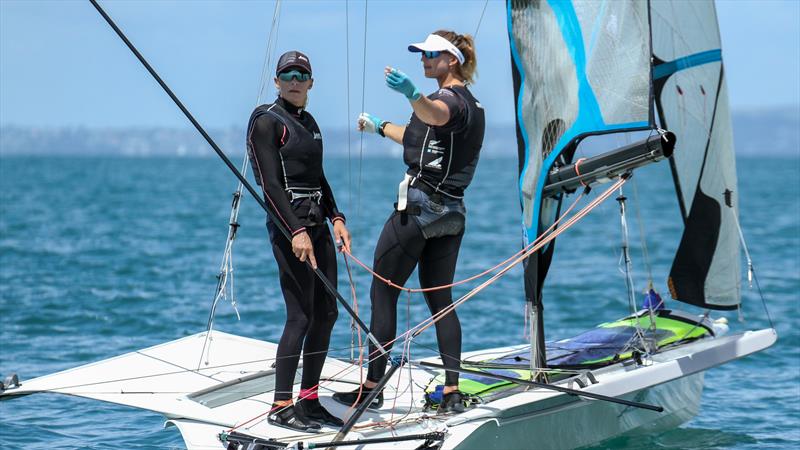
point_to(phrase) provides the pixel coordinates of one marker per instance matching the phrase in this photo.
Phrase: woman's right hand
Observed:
(302, 248)
(368, 123)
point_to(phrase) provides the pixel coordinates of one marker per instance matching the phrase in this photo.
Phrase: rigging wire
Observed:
(224, 289)
(411, 333)
(751, 271)
(347, 118)
(642, 237)
(625, 258)
(480, 20)
(468, 279)
(363, 100)
(540, 242)
(329, 287)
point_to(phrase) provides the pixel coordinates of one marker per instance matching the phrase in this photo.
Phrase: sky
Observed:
(62, 65)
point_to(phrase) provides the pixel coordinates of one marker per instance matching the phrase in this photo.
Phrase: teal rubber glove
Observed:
(369, 123)
(400, 82)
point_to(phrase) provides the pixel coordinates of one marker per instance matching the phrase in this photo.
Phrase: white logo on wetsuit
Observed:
(433, 147)
(435, 164)
(317, 136)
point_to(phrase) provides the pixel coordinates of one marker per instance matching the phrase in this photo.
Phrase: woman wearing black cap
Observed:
(285, 148)
(441, 144)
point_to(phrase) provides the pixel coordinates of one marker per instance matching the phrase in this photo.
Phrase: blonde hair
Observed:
(464, 42)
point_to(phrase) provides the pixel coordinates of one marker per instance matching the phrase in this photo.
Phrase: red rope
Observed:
(466, 280)
(519, 257)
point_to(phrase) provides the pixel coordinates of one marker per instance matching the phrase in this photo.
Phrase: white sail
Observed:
(581, 68)
(692, 102)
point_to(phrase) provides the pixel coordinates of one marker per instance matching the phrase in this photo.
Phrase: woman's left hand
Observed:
(401, 83)
(341, 235)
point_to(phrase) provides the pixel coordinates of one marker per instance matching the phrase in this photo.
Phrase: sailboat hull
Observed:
(582, 423)
(235, 389)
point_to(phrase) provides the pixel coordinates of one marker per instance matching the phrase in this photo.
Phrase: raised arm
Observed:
(433, 112)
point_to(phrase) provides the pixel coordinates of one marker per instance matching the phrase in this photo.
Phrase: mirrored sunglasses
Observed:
(294, 75)
(431, 55)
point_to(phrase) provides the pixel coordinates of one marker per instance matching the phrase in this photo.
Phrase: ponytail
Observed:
(468, 71)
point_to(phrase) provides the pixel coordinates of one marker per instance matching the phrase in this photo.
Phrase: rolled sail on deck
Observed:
(692, 101)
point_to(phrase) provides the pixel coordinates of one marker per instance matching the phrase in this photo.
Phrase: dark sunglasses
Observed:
(294, 75)
(431, 55)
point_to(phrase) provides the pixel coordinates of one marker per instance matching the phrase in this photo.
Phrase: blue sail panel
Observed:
(582, 68)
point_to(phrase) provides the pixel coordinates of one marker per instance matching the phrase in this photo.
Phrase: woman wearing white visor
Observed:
(441, 144)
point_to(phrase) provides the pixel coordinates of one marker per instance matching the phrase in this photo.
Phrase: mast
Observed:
(533, 297)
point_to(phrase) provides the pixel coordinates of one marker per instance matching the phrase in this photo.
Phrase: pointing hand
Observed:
(400, 82)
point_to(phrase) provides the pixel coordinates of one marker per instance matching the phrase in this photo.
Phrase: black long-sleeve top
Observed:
(285, 146)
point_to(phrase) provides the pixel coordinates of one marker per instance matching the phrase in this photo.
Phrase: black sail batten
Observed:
(658, 88)
(516, 82)
(652, 92)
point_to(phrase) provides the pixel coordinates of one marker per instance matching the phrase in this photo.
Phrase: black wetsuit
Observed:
(442, 160)
(285, 149)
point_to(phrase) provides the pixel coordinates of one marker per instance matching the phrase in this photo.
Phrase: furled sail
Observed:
(692, 101)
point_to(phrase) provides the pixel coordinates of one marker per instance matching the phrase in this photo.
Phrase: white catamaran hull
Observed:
(581, 423)
(536, 424)
(235, 386)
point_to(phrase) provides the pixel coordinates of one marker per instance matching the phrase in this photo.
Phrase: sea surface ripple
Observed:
(102, 256)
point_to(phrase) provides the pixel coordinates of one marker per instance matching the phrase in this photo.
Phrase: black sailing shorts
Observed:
(439, 215)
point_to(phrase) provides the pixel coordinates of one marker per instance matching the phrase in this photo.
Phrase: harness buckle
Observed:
(313, 195)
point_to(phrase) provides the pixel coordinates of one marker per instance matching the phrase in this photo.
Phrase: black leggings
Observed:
(400, 247)
(310, 310)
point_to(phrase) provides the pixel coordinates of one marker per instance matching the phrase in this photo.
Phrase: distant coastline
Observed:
(773, 132)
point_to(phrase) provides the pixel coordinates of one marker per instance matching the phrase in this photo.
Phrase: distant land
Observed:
(774, 132)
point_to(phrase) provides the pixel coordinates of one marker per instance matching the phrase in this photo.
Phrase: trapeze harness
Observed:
(428, 222)
(285, 149)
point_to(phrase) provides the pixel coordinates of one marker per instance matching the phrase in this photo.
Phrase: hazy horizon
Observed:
(774, 131)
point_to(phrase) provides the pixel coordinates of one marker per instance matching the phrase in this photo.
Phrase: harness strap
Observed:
(424, 186)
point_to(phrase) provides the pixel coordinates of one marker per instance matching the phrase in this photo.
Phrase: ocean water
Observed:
(102, 256)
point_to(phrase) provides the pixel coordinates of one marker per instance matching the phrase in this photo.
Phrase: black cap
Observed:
(293, 59)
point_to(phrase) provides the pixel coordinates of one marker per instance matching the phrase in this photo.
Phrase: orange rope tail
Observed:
(529, 250)
(540, 242)
(466, 280)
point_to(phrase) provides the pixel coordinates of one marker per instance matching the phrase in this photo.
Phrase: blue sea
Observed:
(105, 255)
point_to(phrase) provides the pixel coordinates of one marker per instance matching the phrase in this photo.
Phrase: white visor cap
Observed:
(436, 43)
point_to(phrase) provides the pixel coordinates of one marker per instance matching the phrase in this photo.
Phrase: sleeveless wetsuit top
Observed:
(445, 156)
(285, 149)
